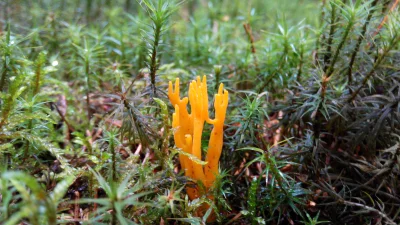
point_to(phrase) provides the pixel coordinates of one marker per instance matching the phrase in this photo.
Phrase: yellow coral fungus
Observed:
(189, 128)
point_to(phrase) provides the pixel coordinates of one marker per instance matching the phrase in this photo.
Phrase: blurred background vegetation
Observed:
(312, 128)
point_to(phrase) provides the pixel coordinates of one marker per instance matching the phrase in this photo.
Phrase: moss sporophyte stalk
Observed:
(188, 129)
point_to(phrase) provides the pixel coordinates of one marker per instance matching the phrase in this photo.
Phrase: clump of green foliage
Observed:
(312, 129)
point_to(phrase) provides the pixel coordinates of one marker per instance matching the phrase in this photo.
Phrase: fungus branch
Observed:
(188, 129)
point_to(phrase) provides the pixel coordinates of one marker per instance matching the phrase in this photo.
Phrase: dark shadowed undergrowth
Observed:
(311, 135)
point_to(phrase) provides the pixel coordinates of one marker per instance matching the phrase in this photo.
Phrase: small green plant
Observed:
(90, 55)
(313, 221)
(159, 13)
(35, 205)
(119, 197)
(277, 188)
(83, 84)
(252, 204)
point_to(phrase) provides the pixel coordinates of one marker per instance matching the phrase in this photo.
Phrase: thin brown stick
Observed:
(359, 41)
(250, 36)
(138, 149)
(396, 2)
(76, 206)
(236, 217)
(383, 215)
(69, 127)
(96, 196)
